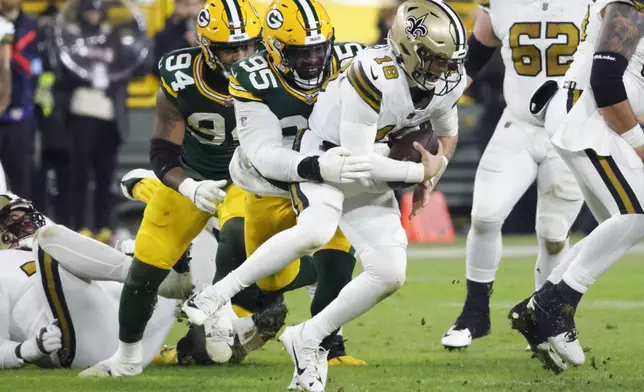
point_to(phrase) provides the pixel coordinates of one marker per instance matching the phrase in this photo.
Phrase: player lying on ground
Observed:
(520, 150)
(603, 143)
(416, 78)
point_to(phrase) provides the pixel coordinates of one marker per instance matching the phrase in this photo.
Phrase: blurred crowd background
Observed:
(83, 92)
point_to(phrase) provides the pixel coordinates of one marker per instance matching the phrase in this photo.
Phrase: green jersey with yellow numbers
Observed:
(201, 95)
(256, 79)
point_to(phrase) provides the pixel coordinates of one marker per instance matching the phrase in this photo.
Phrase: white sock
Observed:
(84, 257)
(546, 263)
(376, 283)
(130, 353)
(605, 245)
(483, 251)
(315, 227)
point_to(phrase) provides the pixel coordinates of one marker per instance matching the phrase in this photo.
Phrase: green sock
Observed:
(335, 270)
(306, 276)
(138, 298)
(231, 253)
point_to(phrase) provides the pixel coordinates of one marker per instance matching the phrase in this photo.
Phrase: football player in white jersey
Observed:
(603, 143)
(537, 40)
(50, 316)
(417, 77)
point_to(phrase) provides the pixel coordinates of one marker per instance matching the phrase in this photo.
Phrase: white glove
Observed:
(6, 31)
(203, 193)
(125, 246)
(47, 341)
(338, 165)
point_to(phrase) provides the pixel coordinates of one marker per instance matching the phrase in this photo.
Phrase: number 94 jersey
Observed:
(201, 95)
(539, 39)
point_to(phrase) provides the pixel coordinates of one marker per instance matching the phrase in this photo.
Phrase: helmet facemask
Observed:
(432, 68)
(215, 49)
(19, 221)
(308, 64)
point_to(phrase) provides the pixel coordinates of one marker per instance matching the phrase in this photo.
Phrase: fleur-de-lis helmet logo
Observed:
(416, 26)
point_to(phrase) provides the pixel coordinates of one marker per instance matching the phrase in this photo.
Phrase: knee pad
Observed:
(553, 229)
(483, 227)
(387, 267)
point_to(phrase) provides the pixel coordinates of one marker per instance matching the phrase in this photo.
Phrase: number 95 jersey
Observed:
(539, 39)
(201, 95)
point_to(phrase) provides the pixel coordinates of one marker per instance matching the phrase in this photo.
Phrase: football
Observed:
(402, 149)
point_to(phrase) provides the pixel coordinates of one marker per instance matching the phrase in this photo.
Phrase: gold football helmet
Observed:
(430, 42)
(227, 25)
(298, 35)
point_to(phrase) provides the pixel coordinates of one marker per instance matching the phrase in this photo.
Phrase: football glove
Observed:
(204, 194)
(6, 31)
(338, 165)
(47, 341)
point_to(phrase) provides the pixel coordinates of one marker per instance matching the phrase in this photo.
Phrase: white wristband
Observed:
(634, 137)
(415, 173)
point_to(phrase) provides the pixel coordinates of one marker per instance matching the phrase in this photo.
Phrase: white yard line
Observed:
(459, 252)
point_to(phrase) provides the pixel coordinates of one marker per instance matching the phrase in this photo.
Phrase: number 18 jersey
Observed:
(539, 39)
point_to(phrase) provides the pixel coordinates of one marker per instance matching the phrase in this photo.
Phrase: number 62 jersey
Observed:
(539, 40)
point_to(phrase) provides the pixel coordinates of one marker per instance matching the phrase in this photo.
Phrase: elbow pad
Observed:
(606, 78)
(164, 156)
(478, 55)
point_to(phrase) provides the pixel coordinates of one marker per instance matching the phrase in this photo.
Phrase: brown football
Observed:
(402, 149)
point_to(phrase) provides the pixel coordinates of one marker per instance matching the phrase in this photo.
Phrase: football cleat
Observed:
(526, 318)
(203, 305)
(474, 320)
(166, 356)
(220, 338)
(311, 366)
(338, 355)
(112, 368)
(131, 178)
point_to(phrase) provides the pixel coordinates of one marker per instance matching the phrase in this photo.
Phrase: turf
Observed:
(400, 340)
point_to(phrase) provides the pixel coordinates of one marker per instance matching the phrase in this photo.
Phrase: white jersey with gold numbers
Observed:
(383, 90)
(539, 39)
(584, 127)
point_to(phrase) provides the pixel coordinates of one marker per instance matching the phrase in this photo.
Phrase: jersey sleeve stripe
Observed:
(242, 95)
(168, 89)
(53, 287)
(363, 86)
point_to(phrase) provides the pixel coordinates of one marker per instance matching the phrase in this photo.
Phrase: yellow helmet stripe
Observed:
(363, 86)
(234, 14)
(311, 19)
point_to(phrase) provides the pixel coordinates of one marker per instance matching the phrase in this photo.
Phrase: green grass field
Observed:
(400, 339)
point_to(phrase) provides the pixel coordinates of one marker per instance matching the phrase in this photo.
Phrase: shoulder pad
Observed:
(176, 70)
(251, 77)
(370, 76)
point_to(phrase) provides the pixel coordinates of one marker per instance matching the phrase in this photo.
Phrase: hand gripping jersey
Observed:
(383, 93)
(538, 39)
(256, 80)
(585, 127)
(201, 95)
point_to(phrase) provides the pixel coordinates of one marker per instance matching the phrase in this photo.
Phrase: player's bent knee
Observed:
(555, 247)
(387, 267)
(481, 226)
(315, 231)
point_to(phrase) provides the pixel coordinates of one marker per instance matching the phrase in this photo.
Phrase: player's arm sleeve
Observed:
(260, 136)
(445, 121)
(361, 102)
(8, 357)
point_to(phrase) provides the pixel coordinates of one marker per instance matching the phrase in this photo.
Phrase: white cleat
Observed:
(131, 178)
(311, 365)
(203, 305)
(220, 338)
(456, 338)
(112, 368)
(294, 385)
(568, 347)
(550, 358)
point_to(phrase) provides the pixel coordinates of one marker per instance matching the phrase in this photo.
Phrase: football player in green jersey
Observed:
(193, 140)
(276, 89)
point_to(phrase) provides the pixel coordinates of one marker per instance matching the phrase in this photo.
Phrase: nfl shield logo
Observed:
(243, 120)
